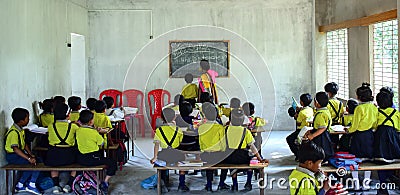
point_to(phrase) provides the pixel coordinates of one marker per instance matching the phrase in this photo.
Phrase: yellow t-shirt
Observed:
(322, 118)
(169, 132)
(190, 91)
(234, 135)
(101, 120)
(338, 106)
(88, 140)
(365, 117)
(395, 118)
(307, 187)
(74, 116)
(46, 119)
(347, 119)
(62, 128)
(305, 114)
(12, 138)
(211, 137)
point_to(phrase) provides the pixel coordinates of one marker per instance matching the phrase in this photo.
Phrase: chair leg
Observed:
(141, 126)
(153, 126)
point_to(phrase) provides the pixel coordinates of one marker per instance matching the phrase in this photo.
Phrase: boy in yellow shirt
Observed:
(46, 118)
(101, 120)
(190, 90)
(74, 104)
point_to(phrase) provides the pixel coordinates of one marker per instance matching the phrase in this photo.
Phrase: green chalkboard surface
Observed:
(185, 56)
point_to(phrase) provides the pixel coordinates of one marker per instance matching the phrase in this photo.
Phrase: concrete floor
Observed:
(275, 149)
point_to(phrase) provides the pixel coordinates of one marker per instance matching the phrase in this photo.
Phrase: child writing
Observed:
(18, 153)
(344, 142)
(89, 142)
(306, 112)
(322, 122)
(190, 90)
(74, 104)
(46, 118)
(62, 149)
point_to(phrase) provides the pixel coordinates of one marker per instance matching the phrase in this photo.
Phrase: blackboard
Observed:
(185, 56)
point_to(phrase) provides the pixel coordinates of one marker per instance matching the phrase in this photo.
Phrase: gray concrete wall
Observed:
(34, 59)
(281, 31)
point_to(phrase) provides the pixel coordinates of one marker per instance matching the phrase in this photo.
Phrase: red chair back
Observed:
(115, 94)
(158, 96)
(132, 97)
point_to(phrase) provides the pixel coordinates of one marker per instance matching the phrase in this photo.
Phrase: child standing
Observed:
(306, 112)
(207, 80)
(322, 122)
(74, 104)
(190, 90)
(18, 153)
(89, 142)
(47, 117)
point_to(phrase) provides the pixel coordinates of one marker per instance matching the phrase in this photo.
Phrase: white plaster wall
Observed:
(34, 59)
(279, 30)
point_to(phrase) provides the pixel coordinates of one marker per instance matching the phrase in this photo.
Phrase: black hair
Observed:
(59, 99)
(364, 93)
(352, 104)
(185, 108)
(85, 116)
(204, 64)
(168, 115)
(306, 98)
(178, 99)
(384, 100)
(310, 151)
(188, 78)
(47, 105)
(209, 111)
(74, 102)
(109, 101)
(322, 98)
(291, 111)
(234, 103)
(248, 108)
(388, 90)
(60, 111)
(205, 97)
(100, 106)
(237, 117)
(19, 114)
(332, 87)
(90, 103)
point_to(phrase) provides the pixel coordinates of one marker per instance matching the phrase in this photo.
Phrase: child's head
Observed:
(364, 93)
(248, 108)
(331, 88)
(109, 101)
(47, 105)
(189, 78)
(321, 99)
(178, 99)
(209, 111)
(59, 99)
(351, 105)
(237, 117)
(234, 103)
(305, 99)
(388, 90)
(90, 103)
(204, 65)
(168, 115)
(311, 156)
(74, 102)
(20, 116)
(100, 106)
(61, 111)
(205, 97)
(384, 100)
(185, 109)
(86, 117)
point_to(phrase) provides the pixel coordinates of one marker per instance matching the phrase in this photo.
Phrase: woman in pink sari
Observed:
(207, 80)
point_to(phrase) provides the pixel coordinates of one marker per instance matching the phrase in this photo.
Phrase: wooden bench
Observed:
(365, 167)
(260, 167)
(41, 167)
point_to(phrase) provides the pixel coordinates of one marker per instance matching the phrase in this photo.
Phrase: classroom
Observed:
(267, 52)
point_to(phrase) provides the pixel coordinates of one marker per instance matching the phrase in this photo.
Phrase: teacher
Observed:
(207, 80)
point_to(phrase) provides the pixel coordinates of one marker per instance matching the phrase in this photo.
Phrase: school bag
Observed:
(122, 154)
(150, 182)
(345, 160)
(85, 184)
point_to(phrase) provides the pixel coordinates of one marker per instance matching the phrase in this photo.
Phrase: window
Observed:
(385, 48)
(337, 61)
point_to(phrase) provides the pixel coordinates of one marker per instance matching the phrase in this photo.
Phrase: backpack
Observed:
(150, 182)
(85, 184)
(345, 160)
(122, 154)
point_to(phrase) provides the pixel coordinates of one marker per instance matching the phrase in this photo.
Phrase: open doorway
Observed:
(78, 65)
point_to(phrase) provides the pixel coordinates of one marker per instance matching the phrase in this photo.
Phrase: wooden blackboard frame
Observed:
(181, 41)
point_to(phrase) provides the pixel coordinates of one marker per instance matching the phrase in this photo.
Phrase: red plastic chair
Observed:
(155, 112)
(132, 97)
(115, 94)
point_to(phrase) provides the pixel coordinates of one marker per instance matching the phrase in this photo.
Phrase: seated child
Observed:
(190, 90)
(206, 97)
(303, 179)
(344, 141)
(237, 139)
(74, 104)
(90, 104)
(305, 113)
(46, 118)
(178, 99)
(100, 119)
(189, 142)
(116, 113)
(18, 153)
(336, 109)
(234, 103)
(59, 99)
(89, 142)
(248, 109)
(62, 149)
(169, 136)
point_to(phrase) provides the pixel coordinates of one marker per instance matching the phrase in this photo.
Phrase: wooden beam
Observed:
(364, 21)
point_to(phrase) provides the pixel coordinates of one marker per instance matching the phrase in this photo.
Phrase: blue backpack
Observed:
(150, 182)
